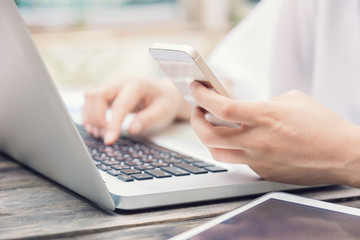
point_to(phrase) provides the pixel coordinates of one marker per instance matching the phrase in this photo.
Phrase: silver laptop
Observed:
(37, 131)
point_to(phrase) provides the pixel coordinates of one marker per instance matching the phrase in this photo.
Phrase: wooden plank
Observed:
(152, 232)
(32, 206)
(166, 230)
(162, 231)
(50, 211)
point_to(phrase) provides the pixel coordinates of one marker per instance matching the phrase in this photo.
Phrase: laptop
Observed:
(37, 131)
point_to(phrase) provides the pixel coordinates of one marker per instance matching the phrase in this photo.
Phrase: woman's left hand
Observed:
(290, 138)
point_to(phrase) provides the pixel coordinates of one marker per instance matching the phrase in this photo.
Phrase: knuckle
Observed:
(208, 138)
(89, 94)
(269, 115)
(227, 110)
(138, 83)
(118, 105)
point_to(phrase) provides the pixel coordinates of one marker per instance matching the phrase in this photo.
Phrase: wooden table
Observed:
(32, 206)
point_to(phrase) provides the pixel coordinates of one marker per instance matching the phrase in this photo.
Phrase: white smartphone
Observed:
(281, 216)
(183, 65)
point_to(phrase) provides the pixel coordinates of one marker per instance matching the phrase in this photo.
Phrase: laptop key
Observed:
(125, 178)
(130, 160)
(144, 167)
(141, 176)
(103, 167)
(110, 162)
(114, 172)
(120, 166)
(216, 169)
(97, 163)
(191, 160)
(130, 171)
(133, 162)
(175, 171)
(190, 168)
(98, 158)
(160, 164)
(158, 173)
(123, 157)
(203, 164)
(173, 160)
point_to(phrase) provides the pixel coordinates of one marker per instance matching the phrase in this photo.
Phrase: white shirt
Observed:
(309, 45)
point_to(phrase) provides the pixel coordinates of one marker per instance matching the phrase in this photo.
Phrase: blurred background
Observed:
(86, 42)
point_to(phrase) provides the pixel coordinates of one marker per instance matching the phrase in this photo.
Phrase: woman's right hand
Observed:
(156, 102)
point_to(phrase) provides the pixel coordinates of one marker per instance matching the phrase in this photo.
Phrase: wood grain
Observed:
(32, 206)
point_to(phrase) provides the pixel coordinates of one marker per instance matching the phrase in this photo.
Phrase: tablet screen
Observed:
(278, 219)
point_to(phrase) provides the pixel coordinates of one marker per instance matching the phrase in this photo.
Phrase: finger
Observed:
(230, 156)
(216, 136)
(111, 90)
(97, 102)
(153, 116)
(225, 108)
(86, 124)
(125, 102)
(94, 127)
(94, 111)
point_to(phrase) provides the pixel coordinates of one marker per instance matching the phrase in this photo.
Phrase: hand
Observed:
(290, 138)
(156, 103)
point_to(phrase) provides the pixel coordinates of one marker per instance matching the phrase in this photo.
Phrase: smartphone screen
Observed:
(183, 65)
(182, 75)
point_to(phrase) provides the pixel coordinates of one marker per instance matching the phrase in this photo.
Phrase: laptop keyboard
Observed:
(134, 160)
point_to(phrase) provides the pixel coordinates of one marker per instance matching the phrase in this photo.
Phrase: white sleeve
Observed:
(270, 50)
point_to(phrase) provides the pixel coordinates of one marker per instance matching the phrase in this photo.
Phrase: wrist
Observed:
(183, 107)
(350, 169)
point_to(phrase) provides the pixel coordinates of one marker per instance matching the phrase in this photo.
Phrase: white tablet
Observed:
(282, 216)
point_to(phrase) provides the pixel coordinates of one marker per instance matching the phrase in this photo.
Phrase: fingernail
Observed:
(192, 87)
(102, 132)
(96, 132)
(136, 127)
(109, 137)
(88, 128)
